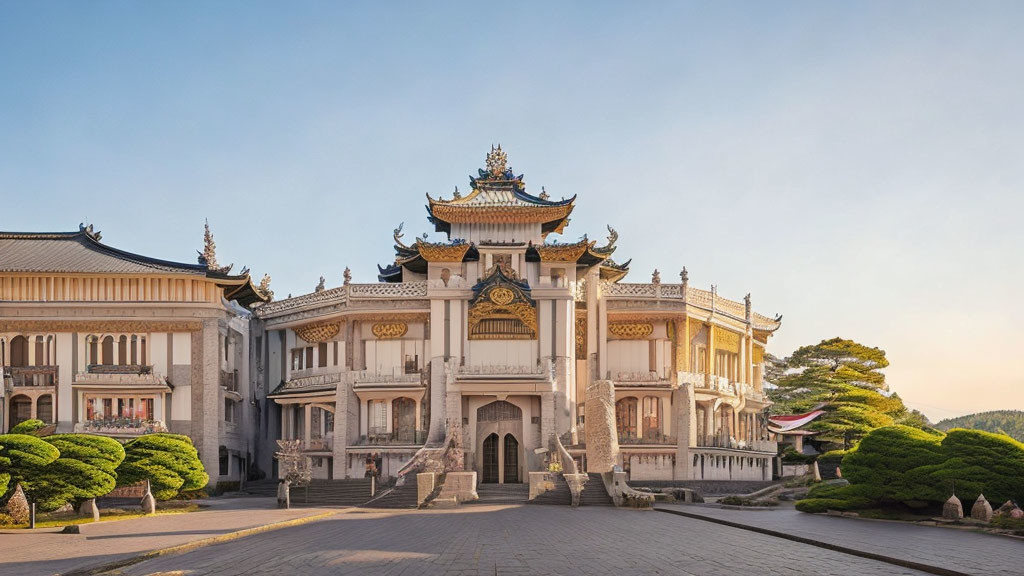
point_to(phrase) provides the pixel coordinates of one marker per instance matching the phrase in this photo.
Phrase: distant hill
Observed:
(1009, 422)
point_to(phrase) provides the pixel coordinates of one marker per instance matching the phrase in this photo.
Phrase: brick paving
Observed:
(44, 551)
(959, 550)
(513, 540)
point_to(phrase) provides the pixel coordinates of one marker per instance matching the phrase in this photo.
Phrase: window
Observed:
(322, 352)
(651, 410)
(378, 412)
(309, 357)
(230, 415)
(297, 357)
(335, 353)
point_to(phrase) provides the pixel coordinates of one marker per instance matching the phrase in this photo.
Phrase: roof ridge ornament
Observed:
(321, 285)
(89, 232)
(347, 275)
(497, 162)
(398, 235)
(208, 257)
(264, 288)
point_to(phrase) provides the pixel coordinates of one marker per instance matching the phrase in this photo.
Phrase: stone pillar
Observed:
(307, 425)
(709, 421)
(709, 361)
(602, 440)
(206, 396)
(547, 418)
(685, 415)
(339, 454)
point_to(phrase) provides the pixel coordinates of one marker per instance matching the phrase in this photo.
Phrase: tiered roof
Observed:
(82, 252)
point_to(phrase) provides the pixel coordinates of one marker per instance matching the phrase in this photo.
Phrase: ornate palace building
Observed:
(488, 342)
(95, 339)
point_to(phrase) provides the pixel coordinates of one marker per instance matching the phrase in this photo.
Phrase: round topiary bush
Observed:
(169, 461)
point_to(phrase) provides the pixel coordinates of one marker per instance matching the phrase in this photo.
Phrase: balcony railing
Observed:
(651, 437)
(535, 370)
(121, 426)
(401, 438)
(325, 444)
(229, 380)
(724, 441)
(31, 375)
(118, 369)
(395, 377)
(648, 377)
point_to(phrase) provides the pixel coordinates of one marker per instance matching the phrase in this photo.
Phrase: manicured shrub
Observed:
(169, 461)
(979, 463)
(24, 457)
(85, 469)
(28, 427)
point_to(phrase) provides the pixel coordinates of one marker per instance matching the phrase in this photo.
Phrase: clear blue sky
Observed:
(857, 167)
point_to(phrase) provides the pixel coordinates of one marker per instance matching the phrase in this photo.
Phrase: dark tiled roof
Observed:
(71, 252)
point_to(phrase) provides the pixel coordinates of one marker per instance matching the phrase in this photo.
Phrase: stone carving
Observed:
(638, 331)
(264, 288)
(321, 285)
(148, 502)
(496, 162)
(602, 438)
(89, 509)
(389, 330)
(581, 337)
(389, 290)
(981, 510)
(347, 276)
(321, 332)
(656, 277)
(953, 509)
(17, 506)
(114, 326)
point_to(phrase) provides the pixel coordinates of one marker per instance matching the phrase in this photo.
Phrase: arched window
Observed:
(143, 356)
(135, 350)
(625, 418)
(44, 408)
(19, 351)
(108, 351)
(92, 354)
(122, 351)
(651, 411)
(51, 350)
(40, 351)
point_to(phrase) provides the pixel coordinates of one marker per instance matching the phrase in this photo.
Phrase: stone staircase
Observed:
(404, 496)
(351, 492)
(594, 493)
(560, 496)
(267, 488)
(502, 494)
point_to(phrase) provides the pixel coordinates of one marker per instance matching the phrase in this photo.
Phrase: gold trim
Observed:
(462, 214)
(631, 331)
(727, 341)
(432, 252)
(758, 355)
(139, 326)
(694, 328)
(581, 337)
(563, 252)
(389, 330)
(320, 332)
(501, 296)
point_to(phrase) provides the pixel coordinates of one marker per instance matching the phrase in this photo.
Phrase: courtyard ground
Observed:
(514, 540)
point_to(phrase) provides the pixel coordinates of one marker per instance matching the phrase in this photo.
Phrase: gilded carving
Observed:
(502, 296)
(727, 341)
(563, 252)
(435, 252)
(501, 308)
(695, 327)
(389, 330)
(320, 332)
(632, 331)
(581, 337)
(758, 355)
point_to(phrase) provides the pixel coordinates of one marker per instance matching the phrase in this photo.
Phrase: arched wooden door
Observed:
(625, 418)
(511, 460)
(490, 468)
(19, 351)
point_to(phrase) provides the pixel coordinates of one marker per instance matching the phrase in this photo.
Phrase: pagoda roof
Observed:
(789, 423)
(82, 252)
(499, 196)
(584, 252)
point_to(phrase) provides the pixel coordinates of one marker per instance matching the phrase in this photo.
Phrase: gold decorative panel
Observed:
(434, 252)
(634, 331)
(758, 355)
(321, 332)
(727, 341)
(581, 337)
(695, 327)
(389, 330)
(563, 252)
(502, 309)
(501, 296)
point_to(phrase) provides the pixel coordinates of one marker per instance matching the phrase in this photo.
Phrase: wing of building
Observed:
(487, 343)
(96, 339)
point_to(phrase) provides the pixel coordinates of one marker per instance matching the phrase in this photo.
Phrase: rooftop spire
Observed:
(209, 254)
(496, 162)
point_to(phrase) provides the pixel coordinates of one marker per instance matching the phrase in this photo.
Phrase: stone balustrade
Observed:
(145, 379)
(30, 375)
(121, 426)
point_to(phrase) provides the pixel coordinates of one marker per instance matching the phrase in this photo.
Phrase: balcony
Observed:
(36, 376)
(538, 371)
(724, 441)
(137, 369)
(650, 437)
(648, 378)
(400, 438)
(402, 378)
(121, 426)
(325, 444)
(229, 380)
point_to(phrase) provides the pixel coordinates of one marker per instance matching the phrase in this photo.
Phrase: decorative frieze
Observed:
(631, 331)
(389, 330)
(321, 332)
(116, 326)
(727, 341)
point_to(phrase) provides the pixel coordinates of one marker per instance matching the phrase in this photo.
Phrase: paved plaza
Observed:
(492, 540)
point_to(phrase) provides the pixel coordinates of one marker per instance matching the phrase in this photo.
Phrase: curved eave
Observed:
(240, 288)
(392, 273)
(613, 272)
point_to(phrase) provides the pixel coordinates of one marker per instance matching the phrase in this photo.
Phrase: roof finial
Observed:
(714, 296)
(347, 276)
(456, 195)
(543, 194)
(264, 287)
(320, 285)
(684, 276)
(496, 161)
(746, 302)
(209, 254)
(656, 277)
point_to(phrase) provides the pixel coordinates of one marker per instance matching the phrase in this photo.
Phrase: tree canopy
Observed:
(169, 461)
(28, 427)
(1009, 422)
(843, 378)
(85, 469)
(24, 458)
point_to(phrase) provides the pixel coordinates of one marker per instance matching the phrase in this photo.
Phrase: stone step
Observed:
(502, 494)
(559, 496)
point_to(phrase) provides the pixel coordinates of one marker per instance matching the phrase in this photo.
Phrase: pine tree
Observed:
(169, 461)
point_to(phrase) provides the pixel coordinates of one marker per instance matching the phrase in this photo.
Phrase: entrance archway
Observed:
(511, 460)
(489, 473)
(21, 410)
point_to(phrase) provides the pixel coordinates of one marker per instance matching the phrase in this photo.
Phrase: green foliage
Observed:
(169, 461)
(1009, 422)
(829, 461)
(85, 469)
(904, 466)
(24, 457)
(842, 377)
(28, 427)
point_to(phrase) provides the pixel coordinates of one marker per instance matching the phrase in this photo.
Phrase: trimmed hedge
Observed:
(28, 427)
(85, 469)
(899, 465)
(24, 458)
(169, 461)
